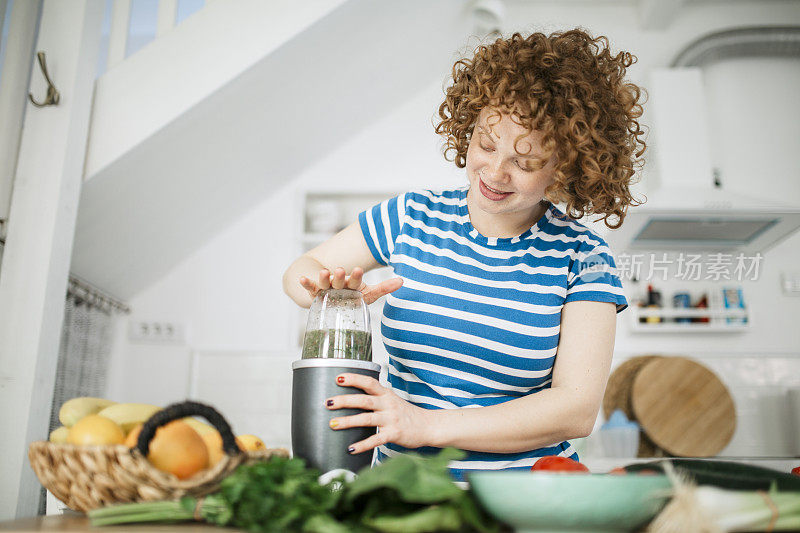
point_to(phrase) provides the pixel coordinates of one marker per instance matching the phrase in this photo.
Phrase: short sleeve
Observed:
(381, 225)
(593, 275)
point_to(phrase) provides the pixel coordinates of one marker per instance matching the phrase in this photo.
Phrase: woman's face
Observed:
(504, 181)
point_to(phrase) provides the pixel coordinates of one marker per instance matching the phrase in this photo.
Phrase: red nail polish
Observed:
(329, 403)
(340, 380)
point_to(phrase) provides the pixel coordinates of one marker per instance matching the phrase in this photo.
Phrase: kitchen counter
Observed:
(79, 522)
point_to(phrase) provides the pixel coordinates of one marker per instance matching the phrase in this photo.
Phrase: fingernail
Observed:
(351, 449)
(329, 403)
(340, 379)
(333, 423)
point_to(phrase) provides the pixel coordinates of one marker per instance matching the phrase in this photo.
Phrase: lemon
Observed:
(250, 443)
(59, 435)
(95, 430)
(200, 427)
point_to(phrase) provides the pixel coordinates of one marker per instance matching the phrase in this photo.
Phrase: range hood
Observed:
(688, 211)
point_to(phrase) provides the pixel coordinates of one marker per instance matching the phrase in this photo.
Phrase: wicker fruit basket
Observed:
(89, 477)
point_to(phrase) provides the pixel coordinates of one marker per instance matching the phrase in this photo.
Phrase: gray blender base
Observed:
(313, 382)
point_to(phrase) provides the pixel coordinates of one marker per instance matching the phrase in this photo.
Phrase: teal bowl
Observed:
(563, 501)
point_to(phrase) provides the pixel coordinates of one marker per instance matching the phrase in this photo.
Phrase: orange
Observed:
(133, 436)
(250, 443)
(95, 430)
(213, 442)
(176, 448)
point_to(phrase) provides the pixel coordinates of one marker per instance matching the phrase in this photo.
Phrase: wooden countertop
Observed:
(79, 522)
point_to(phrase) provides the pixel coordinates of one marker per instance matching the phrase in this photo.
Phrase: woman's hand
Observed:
(340, 280)
(397, 420)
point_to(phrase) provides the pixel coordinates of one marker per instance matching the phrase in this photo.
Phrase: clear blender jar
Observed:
(338, 340)
(338, 327)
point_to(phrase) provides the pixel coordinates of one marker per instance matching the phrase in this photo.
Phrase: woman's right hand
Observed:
(339, 280)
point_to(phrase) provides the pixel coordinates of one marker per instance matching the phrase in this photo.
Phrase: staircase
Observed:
(218, 112)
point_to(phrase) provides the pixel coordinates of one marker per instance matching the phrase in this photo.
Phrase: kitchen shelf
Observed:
(600, 465)
(720, 320)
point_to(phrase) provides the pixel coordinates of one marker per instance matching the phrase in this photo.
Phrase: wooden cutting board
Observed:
(618, 396)
(620, 386)
(683, 407)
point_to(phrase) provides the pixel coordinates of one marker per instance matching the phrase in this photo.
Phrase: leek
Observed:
(708, 509)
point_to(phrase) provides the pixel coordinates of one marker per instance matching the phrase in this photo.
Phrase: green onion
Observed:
(713, 509)
(140, 512)
(750, 510)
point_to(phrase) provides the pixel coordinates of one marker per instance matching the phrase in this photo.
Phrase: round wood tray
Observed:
(618, 396)
(683, 407)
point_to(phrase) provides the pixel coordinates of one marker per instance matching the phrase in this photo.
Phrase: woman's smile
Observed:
(492, 194)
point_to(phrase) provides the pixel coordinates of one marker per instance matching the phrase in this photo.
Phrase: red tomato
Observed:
(559, 464)
(796, 471)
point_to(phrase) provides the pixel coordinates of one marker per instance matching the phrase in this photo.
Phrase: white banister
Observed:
(118, 35)
(3, 6)
(167, 14)
(14, 90)
(36, 260)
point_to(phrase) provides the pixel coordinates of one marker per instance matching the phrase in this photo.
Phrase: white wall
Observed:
(229, 293)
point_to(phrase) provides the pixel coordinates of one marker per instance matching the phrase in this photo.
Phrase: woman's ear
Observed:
(552, 193)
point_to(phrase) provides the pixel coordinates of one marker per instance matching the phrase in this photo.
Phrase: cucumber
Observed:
(725, 474)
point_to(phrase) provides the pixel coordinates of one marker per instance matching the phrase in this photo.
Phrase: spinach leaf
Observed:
(410, 493)
(428, 519)
(416, 478)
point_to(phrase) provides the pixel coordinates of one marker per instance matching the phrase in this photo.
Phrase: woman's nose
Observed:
(495, 170)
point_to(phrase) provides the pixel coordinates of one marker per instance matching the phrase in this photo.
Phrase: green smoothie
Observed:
(338, 344)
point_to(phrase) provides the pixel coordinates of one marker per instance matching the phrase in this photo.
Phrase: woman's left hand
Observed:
(398, 421)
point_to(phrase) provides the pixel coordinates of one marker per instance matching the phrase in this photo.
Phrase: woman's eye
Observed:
(523, 167)
(486, 148)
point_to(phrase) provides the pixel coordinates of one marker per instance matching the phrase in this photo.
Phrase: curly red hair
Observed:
(569, 87)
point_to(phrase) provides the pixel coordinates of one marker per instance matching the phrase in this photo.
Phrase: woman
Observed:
(500, 323)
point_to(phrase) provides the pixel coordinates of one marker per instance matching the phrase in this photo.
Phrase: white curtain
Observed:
(86, 338)
(84, 352)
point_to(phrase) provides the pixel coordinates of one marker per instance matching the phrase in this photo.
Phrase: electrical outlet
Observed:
(156, 331)
(790, 283)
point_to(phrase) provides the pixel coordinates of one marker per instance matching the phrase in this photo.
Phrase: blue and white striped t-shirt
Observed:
(477, 319)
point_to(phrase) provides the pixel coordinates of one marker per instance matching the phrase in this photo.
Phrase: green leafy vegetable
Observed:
(415, 478)
(431, 518)
(411, 493)
(407, 494)
(276, 495)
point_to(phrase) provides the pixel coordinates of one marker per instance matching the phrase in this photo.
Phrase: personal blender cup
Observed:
(338, 339)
